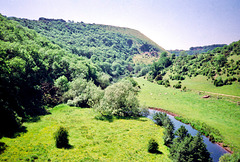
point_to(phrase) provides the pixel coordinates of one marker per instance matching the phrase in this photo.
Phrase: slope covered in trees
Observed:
(221, 65)
(196, 50)
(30, 64)
(109, 47)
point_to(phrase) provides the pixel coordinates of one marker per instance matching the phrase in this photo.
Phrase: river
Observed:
(215, 150)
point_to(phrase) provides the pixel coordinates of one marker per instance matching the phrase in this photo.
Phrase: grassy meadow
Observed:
(91, 139)
(201, 83)
(217, 113)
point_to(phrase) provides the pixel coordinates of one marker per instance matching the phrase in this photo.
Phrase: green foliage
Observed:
(101, 43)
(188, 148)
(162, 119)
(168, 134)
(29, 66)
(62, 84)
(152, 146)
(220, 62)
(178, 85)
(197, 50)
(82, 93)
(159, 118)
(119, 99)
(182, 132)
(61, 138)
(218, 82)
(230, 158)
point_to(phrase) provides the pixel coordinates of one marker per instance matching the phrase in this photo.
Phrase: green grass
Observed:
(200, 83)
(219, 114)
(92, 140)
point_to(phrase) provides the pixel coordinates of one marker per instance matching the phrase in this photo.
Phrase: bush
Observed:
(167, 84)
(178, 85)
(119, 99)
(152, 146)
(218, 82)
(82, 93)
(61, 138)
(230, 158)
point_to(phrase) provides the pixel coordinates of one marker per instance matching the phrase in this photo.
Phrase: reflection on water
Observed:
(215, 150)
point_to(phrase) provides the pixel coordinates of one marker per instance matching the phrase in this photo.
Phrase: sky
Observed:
(172, 24)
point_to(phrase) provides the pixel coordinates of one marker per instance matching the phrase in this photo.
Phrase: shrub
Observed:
(152, 146)
(218, 82)
(158, 77)
(230, 158)
(184, 88)
(119, 99)
(167, 84)
(61, 138)
(178, 85)
(83, 93)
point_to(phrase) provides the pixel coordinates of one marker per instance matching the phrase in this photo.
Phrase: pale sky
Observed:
(173, 24)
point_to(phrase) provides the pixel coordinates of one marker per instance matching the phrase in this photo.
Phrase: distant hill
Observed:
(111, 48)
(220, 65)
(197, 50)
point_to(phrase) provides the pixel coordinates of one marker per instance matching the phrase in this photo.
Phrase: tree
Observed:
(119, 99)
(199, 149)
(62, 84)
(159, 118)
(182, 132)
(82, 93)
(188, 148)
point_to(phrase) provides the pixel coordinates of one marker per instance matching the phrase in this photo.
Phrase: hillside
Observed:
(111, 48)
(32, 71)
(196, 50)
(220, 67)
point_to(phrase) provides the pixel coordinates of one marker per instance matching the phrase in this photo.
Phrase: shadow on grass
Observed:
(156, 152)
(108, 118)
(68, 147)
(3, 147)
(132, 118)
(10, 133)
(32, 119)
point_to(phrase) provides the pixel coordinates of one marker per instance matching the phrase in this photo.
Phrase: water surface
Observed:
(215, 150)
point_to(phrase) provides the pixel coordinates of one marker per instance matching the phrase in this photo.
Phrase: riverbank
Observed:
(222, 145)
(218, 114)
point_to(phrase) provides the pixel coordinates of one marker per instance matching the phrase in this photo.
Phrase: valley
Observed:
(98, 81)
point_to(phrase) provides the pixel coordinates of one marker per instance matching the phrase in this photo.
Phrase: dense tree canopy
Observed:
(109, 47)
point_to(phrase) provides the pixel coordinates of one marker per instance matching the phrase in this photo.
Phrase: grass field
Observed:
(91, 139)
(219, 114)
